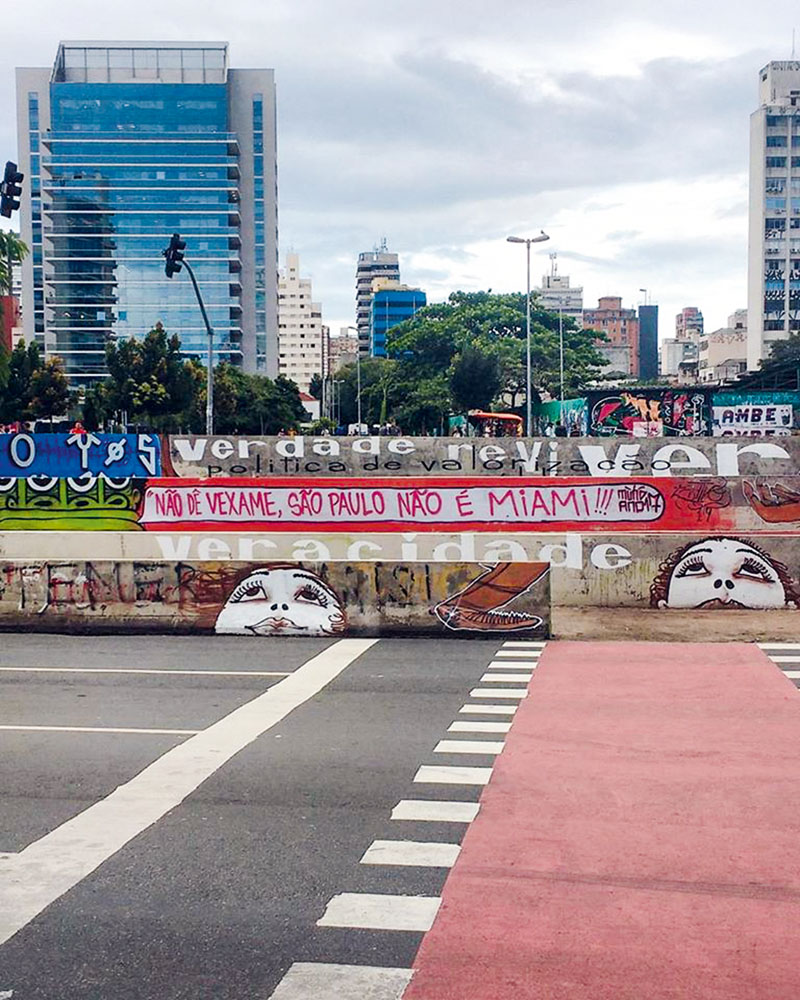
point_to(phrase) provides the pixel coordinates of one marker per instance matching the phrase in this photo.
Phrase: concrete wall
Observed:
(277, 598)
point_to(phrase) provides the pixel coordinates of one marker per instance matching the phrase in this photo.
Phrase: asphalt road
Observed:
(222, 893)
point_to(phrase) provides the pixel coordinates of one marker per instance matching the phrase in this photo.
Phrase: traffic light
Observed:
(174, 255)
(10, 190)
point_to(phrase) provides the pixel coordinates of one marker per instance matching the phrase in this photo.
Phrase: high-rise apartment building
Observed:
(123, 144)
(392, 303)
(621, 327)
(689, 324)
(301, 347)
(377, 263)
(555, 294)
(648, 342)
(773, 292)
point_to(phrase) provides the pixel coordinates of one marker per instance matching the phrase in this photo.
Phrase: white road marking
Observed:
(778, 645)
(506, 678)
(498, 693)
(380, 912)
(99, 729)
(412, 853)
(6, 994)
(433, 811)
(793, 675)
(512, 665)
(439, 774)
(785, 659)
(487, 710)
(518, 654)
(135, 670)
(523, 644)
(479, 727)
(49, 867)
(469, 746)
(324, 981)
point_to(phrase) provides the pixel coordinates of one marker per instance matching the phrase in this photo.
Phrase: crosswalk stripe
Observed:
(479, 727)
(325, 981)
(380, 912)
(469, 746)
(793, 675)
(513, 665)
(440, 774)
(785, 659)
(523, 644)
(435, 811)
(487, 710)
(527, 654)
(778, 645)
(506, 678)
(413, 853)
(498, 693)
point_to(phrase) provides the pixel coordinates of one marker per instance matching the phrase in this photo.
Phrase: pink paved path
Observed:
(639, 839)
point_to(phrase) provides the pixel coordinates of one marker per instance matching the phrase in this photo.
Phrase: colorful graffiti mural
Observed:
(650, 413)
(269, 599)
(235, 505)
(65, 456)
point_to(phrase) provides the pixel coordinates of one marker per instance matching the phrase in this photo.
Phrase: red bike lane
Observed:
(638, 839)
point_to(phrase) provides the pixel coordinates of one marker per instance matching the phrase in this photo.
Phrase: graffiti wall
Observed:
(452, 504)
(118, 456)
(755, 414)
(227, 457)
(650, 412)
(279, 598)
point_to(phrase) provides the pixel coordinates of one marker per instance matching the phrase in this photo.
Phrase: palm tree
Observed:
(12, 251)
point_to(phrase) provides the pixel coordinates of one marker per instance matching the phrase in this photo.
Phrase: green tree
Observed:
(149, 380)
(15, 398)
(11, 248)
(475, 378)
(315, 386)
(50, 390)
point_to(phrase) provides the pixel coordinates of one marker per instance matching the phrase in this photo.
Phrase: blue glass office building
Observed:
(123, 144)
(390, 306)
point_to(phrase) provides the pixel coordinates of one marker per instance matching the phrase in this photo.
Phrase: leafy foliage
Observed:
(17, 395)
(49, 390)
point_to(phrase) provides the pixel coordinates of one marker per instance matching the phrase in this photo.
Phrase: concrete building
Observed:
(621, 327)
(678, 358)
(123, 144)
(555, 294)
(648, 341)
(301, 347)
(689, 324)
(377, 263)
(392, 303)
(343, 349)
(773, 290)
(723, 352)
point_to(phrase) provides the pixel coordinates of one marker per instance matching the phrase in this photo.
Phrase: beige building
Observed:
(723, 352)
(343, 349)
(302, 350)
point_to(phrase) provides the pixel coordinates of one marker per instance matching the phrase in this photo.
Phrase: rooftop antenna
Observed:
(793, 47)
(553, 265)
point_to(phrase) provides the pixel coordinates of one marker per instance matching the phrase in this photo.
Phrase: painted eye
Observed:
(309, 594)
(250, 590)
(692, 567)
(752, 569)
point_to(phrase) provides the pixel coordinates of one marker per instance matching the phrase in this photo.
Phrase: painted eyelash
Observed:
(690, 563)
(752, 566)
(248, 590)
(318, 594)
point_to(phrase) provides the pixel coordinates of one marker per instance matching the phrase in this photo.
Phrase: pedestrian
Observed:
(77, 428)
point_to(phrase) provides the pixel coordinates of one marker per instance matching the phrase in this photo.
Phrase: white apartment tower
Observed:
(556, 294)
(773, 292)
(301, 344)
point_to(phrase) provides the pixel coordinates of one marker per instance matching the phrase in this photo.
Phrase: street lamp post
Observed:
(527, 241)
(358, 380)
(561, 360)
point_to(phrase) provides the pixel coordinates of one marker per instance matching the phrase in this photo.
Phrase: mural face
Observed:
(282, 600)
(483, 605)
(776, 503)
(80, 503)
(723, 573)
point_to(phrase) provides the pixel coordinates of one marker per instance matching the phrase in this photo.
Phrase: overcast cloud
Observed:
(621, 128)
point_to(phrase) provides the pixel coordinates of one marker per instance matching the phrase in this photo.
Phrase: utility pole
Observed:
(174, 255)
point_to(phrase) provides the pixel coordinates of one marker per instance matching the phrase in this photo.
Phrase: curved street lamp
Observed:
(527, 241)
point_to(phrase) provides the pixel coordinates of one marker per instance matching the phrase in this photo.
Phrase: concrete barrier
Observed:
(277, 598)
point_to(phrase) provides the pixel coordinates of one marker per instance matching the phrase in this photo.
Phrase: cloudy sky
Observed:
(620, 128)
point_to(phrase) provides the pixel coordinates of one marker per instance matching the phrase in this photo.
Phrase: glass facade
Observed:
(389, 307)
(126, 145)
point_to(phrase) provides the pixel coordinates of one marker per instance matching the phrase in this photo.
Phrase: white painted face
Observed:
(724, 572)
(282, 601)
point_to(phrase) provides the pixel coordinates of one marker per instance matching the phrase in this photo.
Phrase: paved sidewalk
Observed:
(638, 838)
